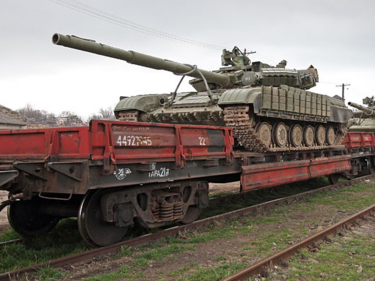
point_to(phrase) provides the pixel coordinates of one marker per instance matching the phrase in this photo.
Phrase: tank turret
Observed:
(364, 118)
(268, 107)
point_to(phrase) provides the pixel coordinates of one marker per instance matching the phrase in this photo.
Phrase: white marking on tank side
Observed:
(120, 174)
(161, 173)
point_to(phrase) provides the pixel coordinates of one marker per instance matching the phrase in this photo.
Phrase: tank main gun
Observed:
(138, 58)
(238, 71)
(364, 111)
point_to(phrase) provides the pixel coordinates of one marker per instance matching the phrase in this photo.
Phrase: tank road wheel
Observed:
(296, 135)
(264, 133)
(320, 135)
(26, 218)
(308, 135)
(92, 227)
(331, 136)
(281, 134)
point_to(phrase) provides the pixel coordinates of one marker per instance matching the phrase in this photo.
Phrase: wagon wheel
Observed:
(334, 178)
(264, 133)
(192, 213)
(308, 135)
(26, 218)
(331, 136)
(281, 134)
(296, 135)
(320, 135)
(92, 227)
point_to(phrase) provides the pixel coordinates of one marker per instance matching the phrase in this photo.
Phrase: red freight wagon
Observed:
(112, 173)
(361, 146)
(149, 172)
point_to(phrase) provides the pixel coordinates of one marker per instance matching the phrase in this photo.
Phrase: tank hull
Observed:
(263, 118)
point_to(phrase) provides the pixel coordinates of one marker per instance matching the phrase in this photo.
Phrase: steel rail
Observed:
(173, 231)
(19, 240)
(218, 199)
(283, 255)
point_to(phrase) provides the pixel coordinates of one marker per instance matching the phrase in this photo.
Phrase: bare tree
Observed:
(67, 118)
(104, 114)
(36, 116)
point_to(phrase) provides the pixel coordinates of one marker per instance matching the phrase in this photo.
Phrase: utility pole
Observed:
(343, 85)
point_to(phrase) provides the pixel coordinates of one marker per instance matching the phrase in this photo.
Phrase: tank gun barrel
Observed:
(364, 109)
(137, 58)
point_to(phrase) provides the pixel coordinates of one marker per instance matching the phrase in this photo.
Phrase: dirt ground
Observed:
(345, 259)
(4, 225)
(240, 248)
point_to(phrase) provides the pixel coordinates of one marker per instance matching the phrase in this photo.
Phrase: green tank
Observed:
(268, 107)
(364, 119)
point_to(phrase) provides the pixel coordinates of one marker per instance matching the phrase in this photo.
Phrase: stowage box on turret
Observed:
(268, 107)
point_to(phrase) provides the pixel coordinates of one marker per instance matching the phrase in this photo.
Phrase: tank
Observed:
(268, 107)
(364, 119)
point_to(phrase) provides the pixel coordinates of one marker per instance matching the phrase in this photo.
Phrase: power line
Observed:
(110, 18)
(99, 14)
(343, 85)
(323, 82)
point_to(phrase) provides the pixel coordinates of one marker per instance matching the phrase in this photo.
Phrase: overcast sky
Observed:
(337, 37)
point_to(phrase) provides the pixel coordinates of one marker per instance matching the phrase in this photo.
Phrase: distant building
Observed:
(10, 119)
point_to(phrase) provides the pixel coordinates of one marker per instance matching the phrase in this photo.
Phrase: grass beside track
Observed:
(256, 237)
(66, 240)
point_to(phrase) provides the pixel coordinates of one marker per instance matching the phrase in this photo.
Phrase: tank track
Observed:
(129, 116)
(341, 135)
(237, 117)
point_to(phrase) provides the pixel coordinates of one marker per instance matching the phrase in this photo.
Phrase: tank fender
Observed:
(145, 103)
(241, 96)
(340, 114)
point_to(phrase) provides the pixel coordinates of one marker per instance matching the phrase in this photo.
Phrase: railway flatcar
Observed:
(113, 175)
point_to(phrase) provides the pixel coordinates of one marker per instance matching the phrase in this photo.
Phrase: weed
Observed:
(214, 273)
(179, 271)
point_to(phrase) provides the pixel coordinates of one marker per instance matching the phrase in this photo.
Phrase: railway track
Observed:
(20, 240)
(174, 231)
(284, 255)
(213, 200)
(220, 199)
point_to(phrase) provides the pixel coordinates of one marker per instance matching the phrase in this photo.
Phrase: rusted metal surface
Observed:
(359, 140)
(287, 253)
(75, 160)
(142, 240)
(273, 174)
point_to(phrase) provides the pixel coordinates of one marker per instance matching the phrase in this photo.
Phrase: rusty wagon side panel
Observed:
(109, 154)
